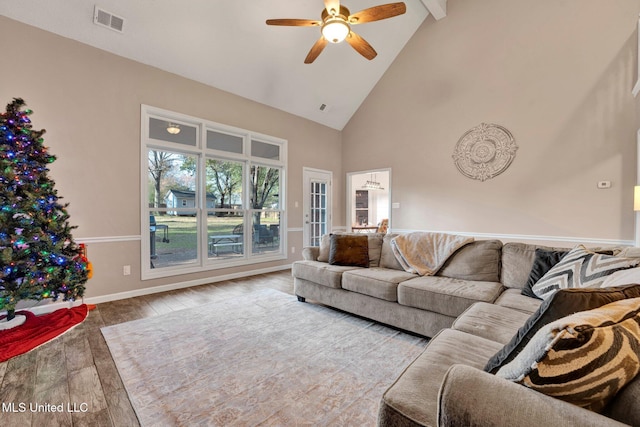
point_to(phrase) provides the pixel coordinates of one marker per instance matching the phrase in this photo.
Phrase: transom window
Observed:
(212, 195)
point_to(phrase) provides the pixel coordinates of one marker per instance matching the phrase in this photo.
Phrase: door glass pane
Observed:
(224, 142)
(265, 150)
(170, 131)
(318, 225)
(265, 187)
(224, 184)
(225, 231)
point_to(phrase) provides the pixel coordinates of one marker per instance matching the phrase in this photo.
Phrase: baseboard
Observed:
(48, 308)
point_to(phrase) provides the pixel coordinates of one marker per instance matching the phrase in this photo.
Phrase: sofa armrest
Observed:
(310, 253)
(472, 397)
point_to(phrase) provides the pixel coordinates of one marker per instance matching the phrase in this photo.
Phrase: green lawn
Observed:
(182, 231)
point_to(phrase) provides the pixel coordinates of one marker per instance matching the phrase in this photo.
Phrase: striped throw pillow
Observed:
(580, 268)
(585, 358)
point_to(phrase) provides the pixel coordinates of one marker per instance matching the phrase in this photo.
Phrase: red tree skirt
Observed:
(37, 330)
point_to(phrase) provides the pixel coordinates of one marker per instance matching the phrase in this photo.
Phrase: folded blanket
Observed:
(424, 253)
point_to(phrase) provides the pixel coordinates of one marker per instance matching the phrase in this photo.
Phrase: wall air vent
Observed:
(107, 19)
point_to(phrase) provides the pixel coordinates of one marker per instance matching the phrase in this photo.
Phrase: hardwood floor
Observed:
(77, 367)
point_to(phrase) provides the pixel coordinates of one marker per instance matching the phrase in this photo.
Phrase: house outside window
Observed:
(212, 195)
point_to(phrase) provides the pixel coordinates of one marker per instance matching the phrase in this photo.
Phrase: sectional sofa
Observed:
(472, 307)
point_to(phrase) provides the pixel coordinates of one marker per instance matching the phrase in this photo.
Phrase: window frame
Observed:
(204, 261)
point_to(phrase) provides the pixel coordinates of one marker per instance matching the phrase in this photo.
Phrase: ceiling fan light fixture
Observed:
(335, 30)
(173, 129)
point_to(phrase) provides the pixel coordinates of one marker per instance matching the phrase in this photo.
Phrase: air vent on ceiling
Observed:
(324, 108)
(107, 19)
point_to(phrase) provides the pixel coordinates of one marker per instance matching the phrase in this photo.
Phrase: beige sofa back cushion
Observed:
(517, 260)
(387, 258)
(478, 260)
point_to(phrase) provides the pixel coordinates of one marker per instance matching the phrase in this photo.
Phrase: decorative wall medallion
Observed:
(485, 151)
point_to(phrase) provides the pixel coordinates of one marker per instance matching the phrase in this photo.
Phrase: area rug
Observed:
(38, 330)
(259, 359)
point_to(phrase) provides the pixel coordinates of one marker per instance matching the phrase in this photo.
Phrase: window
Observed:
(212, 195)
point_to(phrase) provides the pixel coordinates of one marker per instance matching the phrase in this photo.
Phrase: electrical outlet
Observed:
(126, 270)
(293, 249)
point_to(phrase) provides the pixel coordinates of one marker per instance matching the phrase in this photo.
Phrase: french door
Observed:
(316, 205)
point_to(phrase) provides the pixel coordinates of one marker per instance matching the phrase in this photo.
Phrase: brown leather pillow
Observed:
(347, 249)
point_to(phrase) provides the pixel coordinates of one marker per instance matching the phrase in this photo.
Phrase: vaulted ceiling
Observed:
(226, 44)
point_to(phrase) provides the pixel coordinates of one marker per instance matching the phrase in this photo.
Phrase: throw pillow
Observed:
(561, 304)
(325, 246)
(624, 277)
(585, 358)
(348, 249)
(580, 268)
(387, 257)
(543, 262)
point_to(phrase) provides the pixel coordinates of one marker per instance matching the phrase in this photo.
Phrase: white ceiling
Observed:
(226, 44)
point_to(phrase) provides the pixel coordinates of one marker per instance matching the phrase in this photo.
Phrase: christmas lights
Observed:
(38, 257)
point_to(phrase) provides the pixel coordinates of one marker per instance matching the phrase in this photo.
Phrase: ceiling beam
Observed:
(437, 8)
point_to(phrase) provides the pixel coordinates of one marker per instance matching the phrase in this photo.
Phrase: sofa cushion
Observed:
(624, 407)
(325, 247)
(478, 260)
(542, 263)
(513, 298)
(445, 295)
(581, 268)
(517, 260)
(585, 358)
(320, 272)
(561, 304)
(413, 398)
(351, 250)
(376, 282)
(375, 248)
(387, 257)
(490, 321)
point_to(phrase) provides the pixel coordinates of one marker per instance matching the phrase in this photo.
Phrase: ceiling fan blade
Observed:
(361, 45)
(332, 4)
(316, 50)
(294, 22)
(377, 13)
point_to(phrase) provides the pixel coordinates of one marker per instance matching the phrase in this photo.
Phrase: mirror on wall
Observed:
(368, 199)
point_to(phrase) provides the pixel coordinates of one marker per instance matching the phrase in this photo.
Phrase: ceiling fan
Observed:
(336, 25)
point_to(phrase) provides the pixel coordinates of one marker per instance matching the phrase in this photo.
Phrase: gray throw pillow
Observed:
(325, 246)
(581, 268)
(544, 261)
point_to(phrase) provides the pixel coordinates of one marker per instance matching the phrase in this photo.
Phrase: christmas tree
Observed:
(38, 257)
